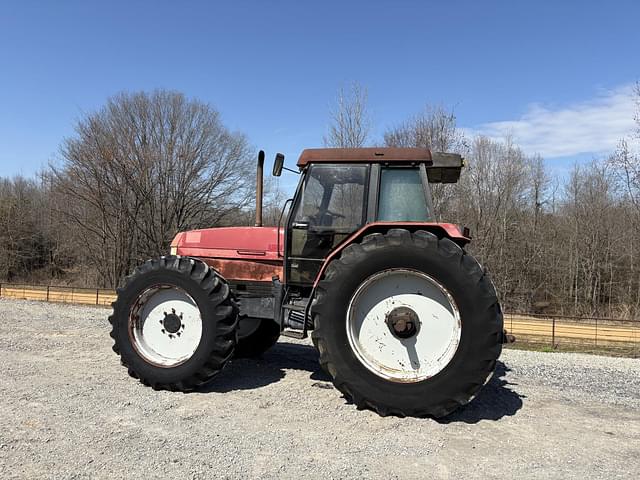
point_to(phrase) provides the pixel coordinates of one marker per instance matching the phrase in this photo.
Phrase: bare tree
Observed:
(626, 159)
(143, 168)
(625, 162)
(274, 201)
(434, 128)
(350, 122)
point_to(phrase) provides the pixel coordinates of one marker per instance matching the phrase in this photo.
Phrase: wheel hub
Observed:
(165, 325)
(172, 322)
(403, 322)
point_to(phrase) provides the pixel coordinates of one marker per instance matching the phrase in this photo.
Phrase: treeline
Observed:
(567, 245)
(148, 165)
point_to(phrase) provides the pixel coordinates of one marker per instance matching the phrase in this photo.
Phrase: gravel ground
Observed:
(69, 410)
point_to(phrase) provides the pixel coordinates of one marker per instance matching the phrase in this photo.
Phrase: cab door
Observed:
(331, 205)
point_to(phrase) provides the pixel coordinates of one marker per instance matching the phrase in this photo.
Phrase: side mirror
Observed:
(278, 163)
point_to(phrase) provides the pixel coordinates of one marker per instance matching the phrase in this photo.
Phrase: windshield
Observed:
(333, 197)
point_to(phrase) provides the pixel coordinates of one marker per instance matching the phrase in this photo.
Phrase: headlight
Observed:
(174, 250)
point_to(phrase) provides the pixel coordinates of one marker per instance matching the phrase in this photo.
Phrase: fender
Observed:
(449, 230)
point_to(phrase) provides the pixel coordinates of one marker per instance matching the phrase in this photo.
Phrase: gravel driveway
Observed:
(69, 410)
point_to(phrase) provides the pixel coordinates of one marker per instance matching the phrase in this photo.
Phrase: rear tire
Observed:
(174, 323)
(468, 360)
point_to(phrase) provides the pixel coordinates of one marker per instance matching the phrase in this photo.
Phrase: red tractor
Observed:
(405, 321)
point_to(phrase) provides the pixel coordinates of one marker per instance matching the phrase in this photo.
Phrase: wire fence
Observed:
(569, 332)
(554, 331)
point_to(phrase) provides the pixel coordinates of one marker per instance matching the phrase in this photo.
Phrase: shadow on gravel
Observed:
(250, 373)
(495, 400)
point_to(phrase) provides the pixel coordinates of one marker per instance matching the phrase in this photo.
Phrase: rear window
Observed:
(402, 196)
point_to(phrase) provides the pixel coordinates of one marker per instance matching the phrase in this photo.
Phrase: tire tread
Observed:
(474, 378)
(220, 299)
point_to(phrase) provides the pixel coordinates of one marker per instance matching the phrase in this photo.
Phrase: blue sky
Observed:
(555, 74)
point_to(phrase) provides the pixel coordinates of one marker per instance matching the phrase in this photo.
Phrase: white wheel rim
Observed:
(426, 352)
(165, 326)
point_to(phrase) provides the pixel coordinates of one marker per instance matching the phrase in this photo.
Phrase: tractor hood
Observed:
(256, 243)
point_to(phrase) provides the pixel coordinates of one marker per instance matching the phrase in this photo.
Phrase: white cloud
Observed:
(590, 127)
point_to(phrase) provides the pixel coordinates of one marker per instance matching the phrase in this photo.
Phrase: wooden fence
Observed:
(48, 293)
(554, 331)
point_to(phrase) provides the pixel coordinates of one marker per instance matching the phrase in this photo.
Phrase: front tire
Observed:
(407, 324)
(174, 323)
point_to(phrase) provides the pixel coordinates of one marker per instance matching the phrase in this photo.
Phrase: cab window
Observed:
(402, 196)
(333, 197)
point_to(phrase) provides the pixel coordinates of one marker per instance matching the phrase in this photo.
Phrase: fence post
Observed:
(553, 332)
(596, 331)
(97, 293)
(48, 287)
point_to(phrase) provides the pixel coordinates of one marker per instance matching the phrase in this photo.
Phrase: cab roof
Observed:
(364, 155)
(441, 167)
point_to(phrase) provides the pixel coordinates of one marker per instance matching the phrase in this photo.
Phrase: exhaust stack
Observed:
(259, 175)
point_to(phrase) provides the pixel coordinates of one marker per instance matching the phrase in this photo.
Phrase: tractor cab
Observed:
(342, 195)
(342, 190)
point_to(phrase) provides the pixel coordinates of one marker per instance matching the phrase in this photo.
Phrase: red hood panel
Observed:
(230, 242)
